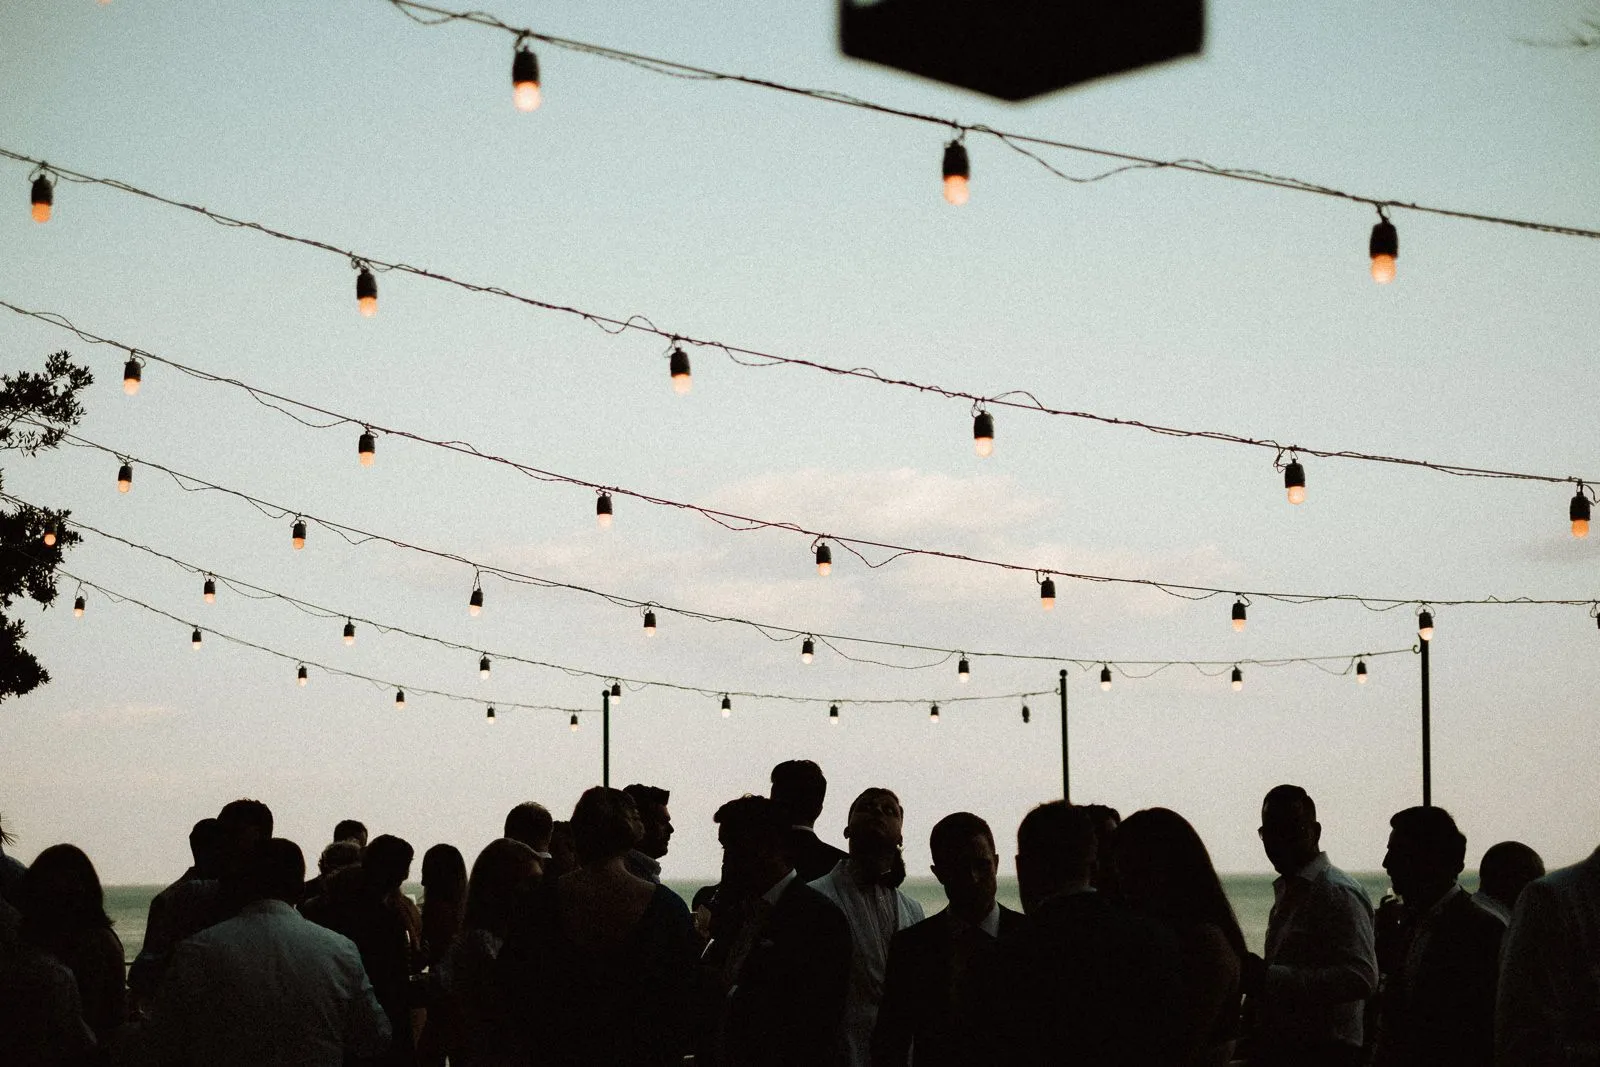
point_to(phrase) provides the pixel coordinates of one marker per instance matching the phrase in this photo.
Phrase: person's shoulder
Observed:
(828, 884)
(1012, 923)
(668, 901)
(924, 930)
(806, 900)
(1341, 885)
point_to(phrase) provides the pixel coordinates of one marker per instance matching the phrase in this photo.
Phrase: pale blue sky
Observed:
(801, 228)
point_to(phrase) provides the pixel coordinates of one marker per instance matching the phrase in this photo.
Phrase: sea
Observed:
(1251, 895)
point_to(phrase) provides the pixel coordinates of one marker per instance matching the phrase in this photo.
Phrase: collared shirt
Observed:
(771, 896)
(1493, 906)
(643, 866)
(989, 924)
(1321, 960)
(1421, 935)
(1548, 1010)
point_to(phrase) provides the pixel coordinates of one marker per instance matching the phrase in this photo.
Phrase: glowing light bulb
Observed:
(300, 677)
(525, 80)
(366, 293)
(833, 714)
(808, 650)
(209, 591)
(933, 713)
(727, 707)
(367, 448)
(77, 608)
(616, 690)
(1361, 672)
(490, 715)
(1294, 481)
(1027, 716)
(963, 671)
(297, 534)
(679, 366)
(1238, 616)
(649, 624)
(399, 699)
(1384, 248)
(1578, 512)
(475, 602)
(131, 374)
(50, 536)
(124, 477)
(983, 434)
(1105, 678)
(824, 560)
(957, 173)
(572, 724)
(1238, 679)
(1047, 594)
(349, 632)
(602, 511)
(44, 195)
(194, 639)
(1425, 625)
(483, 667)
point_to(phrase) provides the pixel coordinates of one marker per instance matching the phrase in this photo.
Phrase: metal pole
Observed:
(1427, 734)
(605, 737)
(1066, 764)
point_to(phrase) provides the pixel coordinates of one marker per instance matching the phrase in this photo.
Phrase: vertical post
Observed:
(1427, 734)
(1066, 763)
(605, 737)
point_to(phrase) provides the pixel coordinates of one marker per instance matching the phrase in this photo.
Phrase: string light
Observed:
(366, 292)
(983, 434)
(367, 448)
(50, 536)
(572, 724)
(616, 691)
(1384, 247)
(1047, 594)
(1105, 678)
(475, 601)
(297, 534)
(1238, 679)
(957, 171)
(399, 699)
(1238, 615)
(1027, 716)
(77, 607)
(208, 592)
(649, 624)
(808, 650)
(1425, 624)
(132, 373)
(824, 559)
(1361, 672)
(1294, 481)
(483, 667)
(300, 676)
(727, 706)
(933, 713)
(602, 511)
(963, 671)
(349, 632)
(678, 366)
(194, 639)
(124, 477)
(1578, 512)
(44, 195)
(833, 714)
(490, 715)
(525, 92)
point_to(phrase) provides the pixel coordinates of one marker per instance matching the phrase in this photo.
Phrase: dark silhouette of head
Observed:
(605, 825)
(337, 855)
(1426, 854)
(499, 874)
(1055, 852)
(563, 851)
(1290, 833)
(59, 897)
(1165, 871)
(875, 832)
(651, 803)
(1506, 868)
(529, 823)
(351, 830)
(206, 846)
(965, 862)
(1105, 820)
(277, 871)
(799, 789)
(754, 833)
(246, 825)
(444, 874)
(386, 863)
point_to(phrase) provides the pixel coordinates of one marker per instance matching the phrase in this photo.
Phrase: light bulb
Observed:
(649, 624)
(1047, 594)
(399, 699)
(1384, 248)
(1361, 671)
(297, 534)
(679, 366)
(367, 448)
(300, 677)
(1425, 625)
(50, 536)
(808, 650)
(349, 632)
(963, 671)
(957, 172)
(483, 667)
(1238, 616)
(475, 602)
(1238, 679)
(124, 477)
(1578, 512)
(983, 434)
(44, 195)
(194, 639)
(1027, 716)
(1294, 480)
(130, 377)
(833, 714)
(824, 560)
(616, 690)
(209, 591)
(933, 713)
(525, 80)
(490, 715)
(77, 608)
(573, 723)
(366, 293)
(602, 511)
(727, 707)
(1105, 678)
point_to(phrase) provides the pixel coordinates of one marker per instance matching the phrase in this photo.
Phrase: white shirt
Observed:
(1548, 1009)
(266, 988)
(1493, 906)
(1322, 964)
(989, 924)
(874, 913)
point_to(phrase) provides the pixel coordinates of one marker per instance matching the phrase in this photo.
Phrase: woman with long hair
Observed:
(444, 898)
(64, 914)
(1164, 871)
(475, 1025)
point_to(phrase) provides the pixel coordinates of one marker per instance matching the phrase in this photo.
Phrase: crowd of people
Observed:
(561, 947)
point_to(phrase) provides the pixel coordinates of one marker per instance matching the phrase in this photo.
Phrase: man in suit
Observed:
(1548, 1008)
(926, 1016)
(1084, 982)
(1437, 1004)
(784, 956)
(266, 987)
(798, 788)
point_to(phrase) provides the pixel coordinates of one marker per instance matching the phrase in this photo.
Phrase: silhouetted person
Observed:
(477, 1025)
(1165, 872)
(41, 1015)
(926, 1017)
(1548, 1011)
(1084, 982)
(531, 824)
(598, 964)
(444, 899)
(266, 987)
(351, 830)
(205, 847)
(1505, 869)
(644, 859)
(1437, 1004)
(1106, 821)
(784, 961)
(865, 885)
(799, 788)
(1320, 964)
(563, 858)
(346, 833)
(63, 914)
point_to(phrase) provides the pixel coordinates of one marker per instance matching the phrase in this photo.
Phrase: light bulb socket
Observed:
(678, 364)
(573, 722)
(1105, 677)
(44, 192)
(808, 649)
(1027, 716)
(727, 705)
(367, 447)
(1238, 614)
(366, 285)
(298, 533)
(1385, 240)
(649, 622)
(78, 606)
(1579, 509)
(956, 164)
(525, 67)
(194, 638)
(933, 713)
(1238, 678)
(124, 476)
(483, 665)
(833, 712)
(132, 374)
(983, 426)
(301, 676)
(616, 690)
(1425, 625)
(1047, 592)
(475, 601)
(349, 632)
(602, 505)
(490, 714)
(1294, 475)
(1361, 670)
(399, 698)
(963, 669)
(824, 556)
(209, 590)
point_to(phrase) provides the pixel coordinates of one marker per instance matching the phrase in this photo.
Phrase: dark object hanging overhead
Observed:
(1016, 49)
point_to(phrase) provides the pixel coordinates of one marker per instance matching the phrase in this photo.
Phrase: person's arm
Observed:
(1350, 971)
(1527, 1016)
(165, 1034)
(366, 1026)
(891, 1036)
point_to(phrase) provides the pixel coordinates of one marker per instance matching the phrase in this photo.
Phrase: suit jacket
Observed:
(813, 857)
(1548, 1005)
(786, 1008)
(925, 1018)
(1445, 1013)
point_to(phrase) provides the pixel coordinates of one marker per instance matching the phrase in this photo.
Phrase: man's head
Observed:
(276, 871)
(529, 823)
(651, 802)
(245, 825)
(386, 862)
(337, 855)
(965, 863)
(798, 788)
(1055, 852)
(1506, 868)
(205, 845)
(1290, 833)
(605, 824)
(351, 830)
(754, 833)
(1426, 853)
(876, 820)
